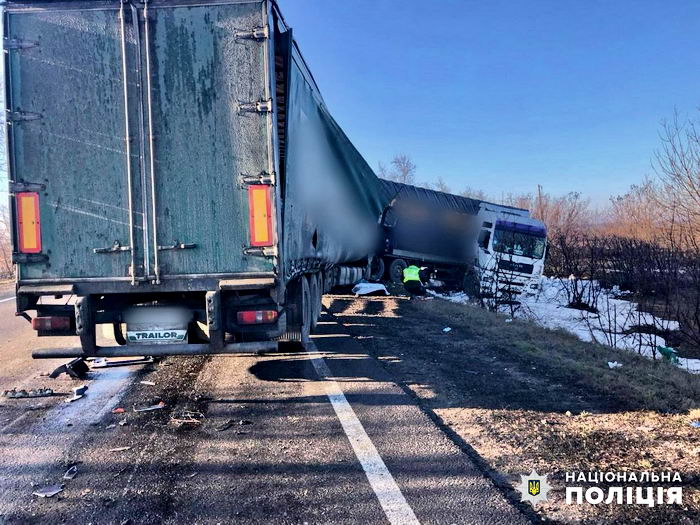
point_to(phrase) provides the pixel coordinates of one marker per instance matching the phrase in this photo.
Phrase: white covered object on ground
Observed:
(368, 288)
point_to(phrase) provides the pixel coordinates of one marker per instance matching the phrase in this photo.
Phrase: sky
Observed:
(505, 95)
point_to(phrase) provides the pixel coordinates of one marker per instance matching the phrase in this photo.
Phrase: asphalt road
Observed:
(323, 436)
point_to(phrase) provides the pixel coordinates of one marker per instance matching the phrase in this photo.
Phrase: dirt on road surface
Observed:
(519, 397)
(324, 436)
(388, 418)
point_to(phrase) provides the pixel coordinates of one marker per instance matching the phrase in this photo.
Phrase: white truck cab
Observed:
(510, 253)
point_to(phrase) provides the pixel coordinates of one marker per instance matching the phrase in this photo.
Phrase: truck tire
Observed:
(118, 334)
(396, 269)
(377, 269)
(85, 325)
(315, 289)
(298, 311)
(470, 284)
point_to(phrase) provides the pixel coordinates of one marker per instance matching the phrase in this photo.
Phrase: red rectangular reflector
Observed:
(28, 223)
(257, 316)
(44, 324)
(260, 209)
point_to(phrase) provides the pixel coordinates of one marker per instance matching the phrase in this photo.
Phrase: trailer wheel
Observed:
(396, 269)
(377, 269)
(470, 284)
(118, 334)
(298, 311)
(85, 325)
(315, 289)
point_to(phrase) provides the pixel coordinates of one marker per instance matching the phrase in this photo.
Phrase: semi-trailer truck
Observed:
(175, 174)
(490, 250)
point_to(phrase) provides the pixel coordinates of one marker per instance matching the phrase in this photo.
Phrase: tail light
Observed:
(28, 222)
(46, 324)
(260, 215)
(257, 316)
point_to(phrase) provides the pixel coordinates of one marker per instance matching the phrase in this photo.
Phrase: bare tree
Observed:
(677, 165)
(472, 193)
(442, 186)
(402, 170)
(5, 244)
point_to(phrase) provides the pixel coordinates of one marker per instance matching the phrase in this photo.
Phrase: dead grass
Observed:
(524, 397)
(641, 384)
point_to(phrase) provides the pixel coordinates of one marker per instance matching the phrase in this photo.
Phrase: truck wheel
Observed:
(118, 334)
(315, 290)
(396, 269)
(85, 325)
(377, 269)
(470, 284)
(299, 311)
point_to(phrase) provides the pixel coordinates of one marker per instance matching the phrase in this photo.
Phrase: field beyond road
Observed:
(519, 397)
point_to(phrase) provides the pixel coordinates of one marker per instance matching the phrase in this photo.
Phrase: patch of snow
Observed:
(611, 326)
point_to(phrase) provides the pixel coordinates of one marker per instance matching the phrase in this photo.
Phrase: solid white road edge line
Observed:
(380, 479)
(6, 299)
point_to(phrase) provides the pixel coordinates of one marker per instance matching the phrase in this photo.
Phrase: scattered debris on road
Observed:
(245, 422)
(77, 369)
(48, 491)
(119, 449)
(446, 330)
(118, 410)
(71, 472)
(187, 418)
(148, 383)
(150, 408)
(695, 424)
(123, 422)
(614, 364)
(228, 424)
(103, 362)
(78, 393)
(19, 394)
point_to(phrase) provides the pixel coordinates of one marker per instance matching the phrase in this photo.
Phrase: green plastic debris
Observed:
(668, 353)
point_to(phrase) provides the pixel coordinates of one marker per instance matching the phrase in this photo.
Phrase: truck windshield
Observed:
(518, 243)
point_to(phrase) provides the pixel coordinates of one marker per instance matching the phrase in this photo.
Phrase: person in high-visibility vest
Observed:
(412, 282)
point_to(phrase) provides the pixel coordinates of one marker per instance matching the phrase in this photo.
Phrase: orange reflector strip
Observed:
(28, 222)
(260, 215)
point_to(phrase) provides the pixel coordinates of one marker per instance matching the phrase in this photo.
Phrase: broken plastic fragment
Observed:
(614, 364)
(446, 330)
(48, 491)
(78, 393)
(157, 406)
(119, 449)
(225, 426)
(71, 472)
(18, 394)
(187, 418)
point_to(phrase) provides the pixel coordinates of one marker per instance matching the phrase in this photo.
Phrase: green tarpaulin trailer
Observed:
(173, 166)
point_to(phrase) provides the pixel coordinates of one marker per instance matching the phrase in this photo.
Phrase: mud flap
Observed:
(215, 320)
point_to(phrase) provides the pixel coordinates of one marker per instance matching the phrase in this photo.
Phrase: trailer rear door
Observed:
(146, 136)
(210, 123)
(67, 124)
